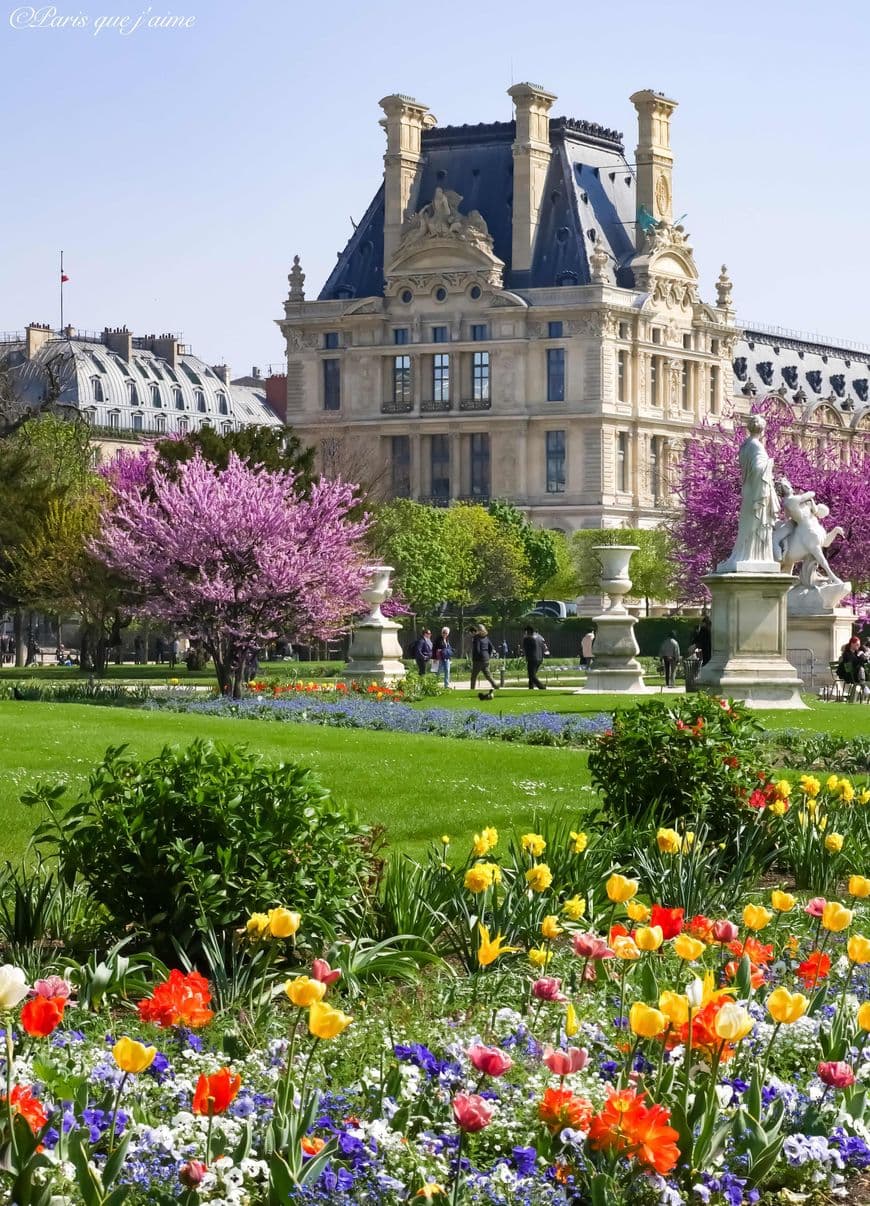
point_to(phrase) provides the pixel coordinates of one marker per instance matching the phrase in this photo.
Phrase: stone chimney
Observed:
(653, 156)
(37, 334)
(120, 341)
(166, 347)
(222, 371)
(404, 123)
(531, 151)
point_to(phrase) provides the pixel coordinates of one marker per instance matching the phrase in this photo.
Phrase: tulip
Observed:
(548, 988)
(320, 970)
(53, 986)
(215, 1094)
(572, 1026)
(637, 911)
(859, 886)
(858, 949)
(782, 902)
(431, 1190)
(574, 908)
(283, 923)
(489, 1060)
(649, 937)
(695, 993)
(620, 889)
(756, 917)
(836, 1074)
(303, 991)
(192, 1173)
(312, 1144)
(564, 1063)
(533, 844)
(725, 931)
(132, 1057)
(786, 1007)
(688, 948)
(471, 1112)
(550, 927)
(324, 1022)
(645, 1021)
(675, 1007)
(834, 843)
(864, 1015)
(491, 949)
(13, 986)
(42, 1015)
(625, 948)
(836, 917)
(590, 946)
(815, 907)
(732, 1022)
(539, 877)
(539, 956)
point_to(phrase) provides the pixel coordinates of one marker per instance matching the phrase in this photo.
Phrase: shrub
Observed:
(196, 839)
(680, 757)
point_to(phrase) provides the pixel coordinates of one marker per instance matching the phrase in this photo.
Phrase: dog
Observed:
(484, 695)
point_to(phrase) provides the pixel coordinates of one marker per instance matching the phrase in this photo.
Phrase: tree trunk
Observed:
(20, 644)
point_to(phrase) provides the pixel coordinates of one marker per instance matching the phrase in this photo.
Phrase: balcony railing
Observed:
(435, 406)
(475, 404)
(396, 408)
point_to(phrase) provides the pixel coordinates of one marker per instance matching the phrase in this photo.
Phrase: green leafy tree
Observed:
(564, 582)
(411, 537)
(652, 566)
(488, 558)
(538, 544)
(274, 448)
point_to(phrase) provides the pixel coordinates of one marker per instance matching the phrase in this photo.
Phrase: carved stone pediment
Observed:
(438, 240)
(666, 266)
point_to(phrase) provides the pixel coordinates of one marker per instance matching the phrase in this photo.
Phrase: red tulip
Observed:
(41, 1015)
(725, 930)
(590, 946)
(191, 1174)
(837, 1074)
(489, 1060)
(214, 1094)
(471, 1112)
(563, 1063)
(671, 920)
(548, 988)
(320, 970)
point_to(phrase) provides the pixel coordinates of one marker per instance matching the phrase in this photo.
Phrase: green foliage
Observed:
(200, 837)
(488, 559)
(684, 757)
(272, 448)
(564, 582)
(538, 544)
(411, 537)
(651, 569)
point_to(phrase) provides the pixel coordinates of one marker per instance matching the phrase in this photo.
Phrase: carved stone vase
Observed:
(375, 652)
(615, 667)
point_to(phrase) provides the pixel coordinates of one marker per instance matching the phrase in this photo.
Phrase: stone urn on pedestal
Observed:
(375, 652)
(615, 667)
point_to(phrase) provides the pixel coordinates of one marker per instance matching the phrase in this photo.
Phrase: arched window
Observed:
(156, 399)
(97, 389)
(200, 401)
(223, 408)
(134, 393)
(179, 398)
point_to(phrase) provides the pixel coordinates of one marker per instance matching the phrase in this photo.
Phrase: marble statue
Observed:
(802, 537)
(759, 507)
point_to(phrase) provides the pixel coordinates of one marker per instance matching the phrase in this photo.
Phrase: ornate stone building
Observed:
(517, 315)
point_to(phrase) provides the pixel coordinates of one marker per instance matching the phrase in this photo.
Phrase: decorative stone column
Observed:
(375, 652)
(615, 667)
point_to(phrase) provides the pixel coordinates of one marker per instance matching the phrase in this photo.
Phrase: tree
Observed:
(708, 487)
(564, 582)
(652, 567)
(273, 448)
(539, 545)
(232, 555)
(410, 537)
(488, 559)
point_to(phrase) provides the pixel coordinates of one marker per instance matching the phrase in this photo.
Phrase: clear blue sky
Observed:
(181, 169)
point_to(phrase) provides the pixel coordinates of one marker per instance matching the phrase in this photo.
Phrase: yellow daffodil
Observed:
(778, 807)
(481, 876)
(782, 789)
(732, 1022)
(756, 917)
(620, 889)
(533, 844)
(668, 841)
(834, 843)
(637, 911)
(485, 841)
(539, 956)
(303, 991)
(574, 908)
(645, 1021)
(782, 902)
(579, 842)
(132, 1057)
(539, 877)
(445, 838)
(832, 782)
(859, 886)
(810, 785)
(786, 1007)
(864, 795)
(324, 1022)
(550, 927)
(491, 949)
(836, 917)
(649, 937)
(688, 948)
(257, 926)
(858, 949)
(846, 791)
(688, 842)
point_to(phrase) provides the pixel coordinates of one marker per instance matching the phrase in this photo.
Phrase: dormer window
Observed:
(223, 408)
(200, 401)
(97, 389)
(156, 399)
(178, 398)
(133, 392)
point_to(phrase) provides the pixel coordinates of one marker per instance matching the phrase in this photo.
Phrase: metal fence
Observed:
(809, 670)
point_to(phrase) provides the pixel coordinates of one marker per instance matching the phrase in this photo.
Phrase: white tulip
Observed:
(13, 986)
(695, 993)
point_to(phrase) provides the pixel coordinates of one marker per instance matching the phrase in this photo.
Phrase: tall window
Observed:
(440, 335)
(480, 465)
(480, 377)
(222, 404)
(160, 423)
(655, 467)
(133, 391)
(138, 421)
(114, 420)
(622, 376)
(714, 389)
(622, 462)
(655, 381)
(97, 386)
(441, 377)
(402, 379)
(401, 466)
(178, 397)
(439, 465)
(332, 384)
(156, 400)
(555, 444)
(555, 374)
(200, 401)
(687, 401)
(183, 426)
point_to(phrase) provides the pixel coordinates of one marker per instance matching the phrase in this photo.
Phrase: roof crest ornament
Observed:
(296, 277)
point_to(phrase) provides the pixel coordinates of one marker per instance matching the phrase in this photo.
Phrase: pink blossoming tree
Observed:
(231, 556)
(708, 486)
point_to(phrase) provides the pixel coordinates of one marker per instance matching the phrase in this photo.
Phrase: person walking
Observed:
(423, 651)
(702, 639)
(174, 650)
(670, 655)
(138, 646)
(534, 648)
(586, 644)
(159, 650)
(442, 654)
(482, 649)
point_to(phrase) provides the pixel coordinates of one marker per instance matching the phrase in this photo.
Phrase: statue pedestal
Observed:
(824, 634)
(615, 667)
(375, 652)
(748, 661)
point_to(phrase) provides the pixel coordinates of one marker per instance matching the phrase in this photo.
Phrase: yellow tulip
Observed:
(783, 902)
(304, 991)
(533, 844)
(574, 908)
(620, 889)
(858, 949)
(550, 927)
(571, 1023)
(132, 1057)
(756, 917)
(637, 911)
(834, 843)
(688, 948)
(668, 841)
(579, 842)
(257, 926)
(324, 1022)
(810, 785)
(732, 1022)
(625, 948)
(539, 877)
(539, 956)
(283, 923)
(836, 917)
(864, 1015)
(859, 886)
(786, 1007)
(645, 1021)
(649, 937)
(431, 1190)
(491, 949)
(675, 1007)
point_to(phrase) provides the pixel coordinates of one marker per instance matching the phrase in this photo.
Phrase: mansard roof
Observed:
(589, 198)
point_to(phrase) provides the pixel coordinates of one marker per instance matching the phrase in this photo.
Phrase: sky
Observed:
(181, 168)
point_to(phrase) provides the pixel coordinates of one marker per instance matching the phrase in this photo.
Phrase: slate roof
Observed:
(589, 196)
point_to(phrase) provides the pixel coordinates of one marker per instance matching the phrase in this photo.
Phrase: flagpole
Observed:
(61, 292)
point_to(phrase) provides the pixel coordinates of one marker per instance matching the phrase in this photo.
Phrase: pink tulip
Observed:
(563, 1063)
(725, 930)
(320, 970)
(590, 946)
(489, 1060)
(816, 906)
(471, 1112)
(53, 986)
(548, 988)
(836, 1074)
(192, 1173)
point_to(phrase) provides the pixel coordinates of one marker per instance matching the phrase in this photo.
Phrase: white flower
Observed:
(695, 993)
(13, 986)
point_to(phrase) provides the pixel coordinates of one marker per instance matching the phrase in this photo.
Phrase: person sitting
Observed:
(852, 668)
